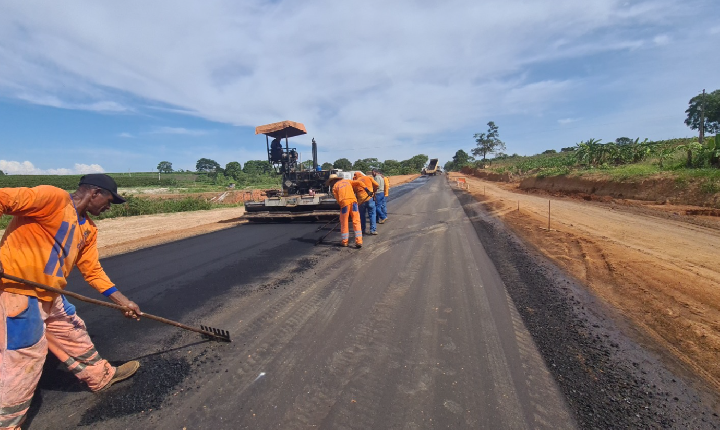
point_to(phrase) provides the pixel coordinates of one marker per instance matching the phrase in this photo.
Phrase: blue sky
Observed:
(120, 86)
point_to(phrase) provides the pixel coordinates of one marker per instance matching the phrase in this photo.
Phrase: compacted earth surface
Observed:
(464, 312)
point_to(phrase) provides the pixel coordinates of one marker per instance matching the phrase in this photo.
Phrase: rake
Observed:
(208, 332)
(319, 241)
(336, 219)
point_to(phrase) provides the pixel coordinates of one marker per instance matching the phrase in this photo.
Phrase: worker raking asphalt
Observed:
(50, 233)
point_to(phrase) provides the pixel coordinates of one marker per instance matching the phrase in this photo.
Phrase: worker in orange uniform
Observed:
(49, 234)
(343, 191)
(365, 189)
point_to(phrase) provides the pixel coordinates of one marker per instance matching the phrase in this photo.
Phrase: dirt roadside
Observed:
(656, 267)
(121, 235)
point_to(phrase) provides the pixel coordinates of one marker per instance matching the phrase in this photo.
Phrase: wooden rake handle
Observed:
(211, 332)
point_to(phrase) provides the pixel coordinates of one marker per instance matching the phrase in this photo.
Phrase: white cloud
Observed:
(18, 168)
(126, 135)
(353, 72)
(83, 169)
(27, 168)
(53, 101)
(661, 39)
(180, 130)
(565, 121)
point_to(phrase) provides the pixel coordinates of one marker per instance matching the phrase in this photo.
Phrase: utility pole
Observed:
(702, 118)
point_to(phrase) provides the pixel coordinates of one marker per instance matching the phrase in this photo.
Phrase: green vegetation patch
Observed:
(139, 206)
(4, 221)
(70, 182)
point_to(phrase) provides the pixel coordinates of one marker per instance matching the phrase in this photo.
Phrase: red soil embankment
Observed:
(658, 189)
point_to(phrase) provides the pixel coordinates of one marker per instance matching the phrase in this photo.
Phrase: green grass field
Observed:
(632, 162)
(673, 164)
(185, 182)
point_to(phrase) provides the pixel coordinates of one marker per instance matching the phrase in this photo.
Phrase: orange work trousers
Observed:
(28, 328)
(350, 210)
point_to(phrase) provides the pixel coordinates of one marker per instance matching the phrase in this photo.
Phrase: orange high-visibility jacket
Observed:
(45, 240)
(343, 192)
(361, 184)
(387, 185)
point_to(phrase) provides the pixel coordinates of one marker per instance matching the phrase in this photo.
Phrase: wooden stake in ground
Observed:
(548, 215)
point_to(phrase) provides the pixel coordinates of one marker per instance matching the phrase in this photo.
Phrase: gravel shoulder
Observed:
(655, 269)
(609, 379)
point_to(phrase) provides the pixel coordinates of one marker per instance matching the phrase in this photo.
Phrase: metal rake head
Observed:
(216, 333)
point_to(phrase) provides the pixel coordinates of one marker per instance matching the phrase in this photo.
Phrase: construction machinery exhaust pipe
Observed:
(314, 153)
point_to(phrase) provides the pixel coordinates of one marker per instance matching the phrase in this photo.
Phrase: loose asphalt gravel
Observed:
(443, 320)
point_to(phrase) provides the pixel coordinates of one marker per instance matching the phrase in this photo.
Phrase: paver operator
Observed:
(365, 189)
(381, 196)
(343, 191)
(49, 234)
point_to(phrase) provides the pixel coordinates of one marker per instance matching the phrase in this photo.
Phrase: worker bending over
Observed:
(49, 234)
(365, 189)
(343, 191)
(381, 196)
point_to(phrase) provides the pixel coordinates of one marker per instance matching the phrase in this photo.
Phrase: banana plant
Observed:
(666, 151)
(712, 147)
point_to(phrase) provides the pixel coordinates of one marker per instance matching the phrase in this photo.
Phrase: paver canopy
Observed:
(282, 129)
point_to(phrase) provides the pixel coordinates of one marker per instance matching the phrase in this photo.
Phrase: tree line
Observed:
(702, 114)
(253, 169)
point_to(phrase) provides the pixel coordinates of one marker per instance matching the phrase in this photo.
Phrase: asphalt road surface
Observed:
(415, 330)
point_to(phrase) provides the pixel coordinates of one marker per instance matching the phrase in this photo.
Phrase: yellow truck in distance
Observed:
(431, 168)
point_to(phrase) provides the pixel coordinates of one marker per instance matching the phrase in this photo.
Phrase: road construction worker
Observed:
(49, 234)
(343, 191)
(381, 196)
(365, 189)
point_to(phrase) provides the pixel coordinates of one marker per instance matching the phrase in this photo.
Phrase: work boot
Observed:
(373, 233)
(382, 221)
(358, 245)
(122, 372)
(344, 244)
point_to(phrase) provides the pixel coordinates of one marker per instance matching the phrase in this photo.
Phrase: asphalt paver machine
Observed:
(304, 195)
